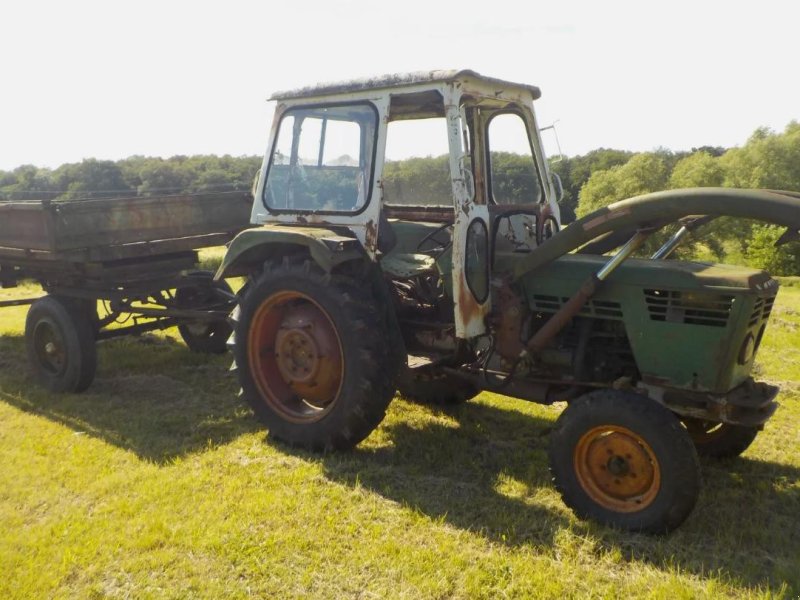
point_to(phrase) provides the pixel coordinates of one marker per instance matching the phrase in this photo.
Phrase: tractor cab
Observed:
(431, 171)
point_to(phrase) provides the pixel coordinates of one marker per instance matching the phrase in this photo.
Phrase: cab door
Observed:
(471, 233)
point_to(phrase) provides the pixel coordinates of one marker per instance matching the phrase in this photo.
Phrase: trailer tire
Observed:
(312, 356)
(205, 337)
(623, 460)
(719, 440)
(60, 344)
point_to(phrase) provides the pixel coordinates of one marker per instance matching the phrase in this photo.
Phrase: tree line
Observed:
(133, 176)
(768, 160)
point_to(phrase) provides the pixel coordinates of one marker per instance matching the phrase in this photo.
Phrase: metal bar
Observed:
(670, 245)
(18, 302)
(107, 334)
(574, 305)
(629, 248)
(178, 313)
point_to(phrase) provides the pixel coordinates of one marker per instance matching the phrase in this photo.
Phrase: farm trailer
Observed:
(137, 256)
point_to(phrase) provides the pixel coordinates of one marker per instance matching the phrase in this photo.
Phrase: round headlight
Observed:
(747, 349)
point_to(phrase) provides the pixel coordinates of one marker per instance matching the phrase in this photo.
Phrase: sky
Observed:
(110, 79)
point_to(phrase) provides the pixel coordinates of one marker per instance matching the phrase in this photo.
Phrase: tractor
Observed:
(406, 236)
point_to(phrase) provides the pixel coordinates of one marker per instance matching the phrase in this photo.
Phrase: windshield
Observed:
(322, 159)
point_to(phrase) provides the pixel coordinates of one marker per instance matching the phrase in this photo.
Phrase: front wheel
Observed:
(622, 460)
(312, 356)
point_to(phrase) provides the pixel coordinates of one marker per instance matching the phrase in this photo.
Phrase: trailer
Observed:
(134, 257)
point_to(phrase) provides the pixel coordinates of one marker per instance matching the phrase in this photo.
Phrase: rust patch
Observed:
(371, 235)
(507, 316)
(616, 214)
(470, 311)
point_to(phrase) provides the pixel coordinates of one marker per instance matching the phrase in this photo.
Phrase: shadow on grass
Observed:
(150, 396)
(483, 476)
(478, 476)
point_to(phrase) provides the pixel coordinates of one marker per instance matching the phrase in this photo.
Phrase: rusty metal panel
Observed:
(82, 225)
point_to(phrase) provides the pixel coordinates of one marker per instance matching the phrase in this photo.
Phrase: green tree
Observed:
(763, 254)
(697, 170)
(642, 174)
(91, 178)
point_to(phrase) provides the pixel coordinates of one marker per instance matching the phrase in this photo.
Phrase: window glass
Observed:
(322, 159)
(476, 261)
(514, 176)
(417, 168)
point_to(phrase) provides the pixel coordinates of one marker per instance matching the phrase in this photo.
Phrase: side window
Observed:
(512, 166)
(322, 160)
(417, 168)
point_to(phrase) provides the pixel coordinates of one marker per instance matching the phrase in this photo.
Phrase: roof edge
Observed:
(396, 80)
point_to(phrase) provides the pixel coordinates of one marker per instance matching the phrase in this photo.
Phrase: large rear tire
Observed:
(60, 344)
(625, 461)
(313, 356)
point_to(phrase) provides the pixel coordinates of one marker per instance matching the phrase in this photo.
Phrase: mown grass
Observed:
(158, 483)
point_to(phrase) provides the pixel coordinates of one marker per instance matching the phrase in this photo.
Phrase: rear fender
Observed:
(249, 249)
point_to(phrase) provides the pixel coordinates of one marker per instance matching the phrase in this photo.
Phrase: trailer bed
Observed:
(40, 232)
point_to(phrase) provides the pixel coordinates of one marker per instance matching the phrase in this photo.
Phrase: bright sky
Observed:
(111, 79)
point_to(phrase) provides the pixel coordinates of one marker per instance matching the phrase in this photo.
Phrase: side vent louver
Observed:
(712, 310)
(593, 308)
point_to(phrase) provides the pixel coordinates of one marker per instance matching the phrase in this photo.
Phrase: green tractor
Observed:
(407, 236)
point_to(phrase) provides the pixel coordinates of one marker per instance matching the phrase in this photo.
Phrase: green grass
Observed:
(159, 483)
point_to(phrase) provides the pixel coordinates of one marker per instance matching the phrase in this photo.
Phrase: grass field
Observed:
(159, 483)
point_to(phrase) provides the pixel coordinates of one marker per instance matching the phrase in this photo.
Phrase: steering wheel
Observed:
(441, 246)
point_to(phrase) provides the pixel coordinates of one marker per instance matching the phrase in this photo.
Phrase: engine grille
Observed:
(594, 308)
(761, 310)
(712, 310)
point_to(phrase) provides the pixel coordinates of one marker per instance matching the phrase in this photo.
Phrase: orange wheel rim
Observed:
(295, 356)
(617, 468)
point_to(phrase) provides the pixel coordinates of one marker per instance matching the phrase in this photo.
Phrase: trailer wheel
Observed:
(623, 460)
(719, 440)
(60, 344)
(312, 356)
(203, 336)
(433, 387)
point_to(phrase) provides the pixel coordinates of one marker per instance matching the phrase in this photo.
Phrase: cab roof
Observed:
(396, 80)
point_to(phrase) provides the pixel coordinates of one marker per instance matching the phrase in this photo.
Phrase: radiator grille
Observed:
(712, 310)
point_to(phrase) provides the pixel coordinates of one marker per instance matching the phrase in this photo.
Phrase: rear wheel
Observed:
(60, 343)
(719, 440)
(312, 356)
(623, 460)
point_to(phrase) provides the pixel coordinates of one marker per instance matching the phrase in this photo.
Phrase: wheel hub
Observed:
(297, 353)
(617, 469)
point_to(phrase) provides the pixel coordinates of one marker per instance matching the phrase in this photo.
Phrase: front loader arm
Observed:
(653, 211)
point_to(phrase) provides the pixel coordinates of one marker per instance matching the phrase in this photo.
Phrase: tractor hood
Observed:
(607, 228)
(673, 274)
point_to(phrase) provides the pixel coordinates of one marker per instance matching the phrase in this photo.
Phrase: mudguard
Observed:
(615, 223)
(328, 248)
